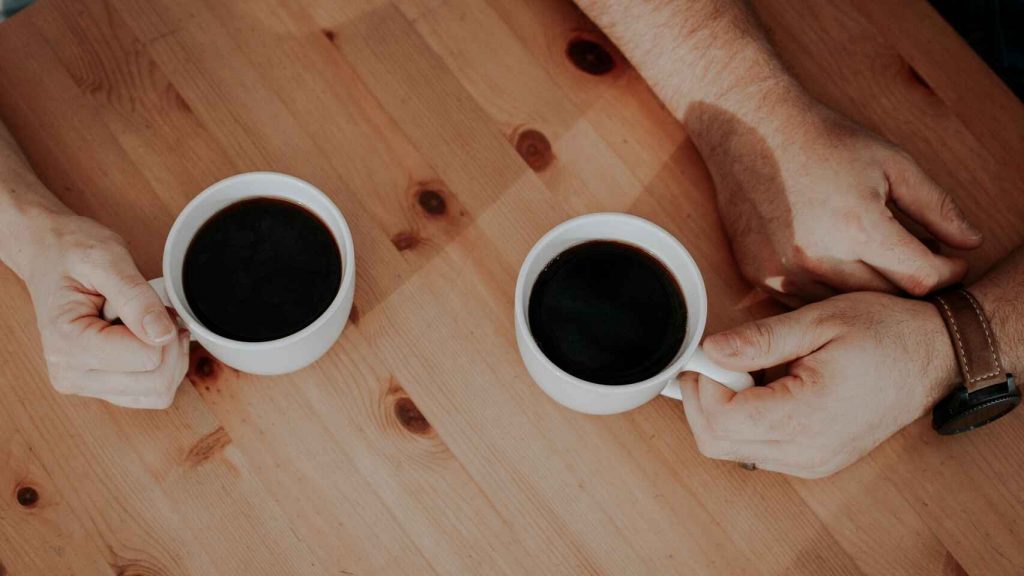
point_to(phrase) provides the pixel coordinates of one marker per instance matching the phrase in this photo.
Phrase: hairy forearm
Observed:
(709, 51)
(25, 206)
(1001, 294)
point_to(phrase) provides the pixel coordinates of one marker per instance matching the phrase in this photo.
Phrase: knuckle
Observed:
(95, 254)
(98, 252)
(759, 337)
(840, 318)
(922, 281)
(151, 359)
(63, 384)
(808, 377)
(903, 155)
(900, 159)
(897, 162)
(136, 289)
(136, 294)
(856, 228)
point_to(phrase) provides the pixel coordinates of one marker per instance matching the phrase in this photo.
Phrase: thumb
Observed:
(931, 206)
(134, 300)
(771, 341)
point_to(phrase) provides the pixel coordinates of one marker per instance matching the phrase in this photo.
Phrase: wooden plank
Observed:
(315, 507)
(419, 443)
(126, 475)
(39, 532)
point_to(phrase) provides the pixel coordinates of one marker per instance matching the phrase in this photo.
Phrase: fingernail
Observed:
(158, 327)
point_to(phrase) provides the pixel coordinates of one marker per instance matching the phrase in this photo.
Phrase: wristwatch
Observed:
(987, 392)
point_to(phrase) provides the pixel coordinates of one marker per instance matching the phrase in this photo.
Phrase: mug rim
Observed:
(348, 263)
(687, 350)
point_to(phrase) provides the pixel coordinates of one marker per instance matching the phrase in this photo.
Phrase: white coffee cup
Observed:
(593, 398)
(286, 354)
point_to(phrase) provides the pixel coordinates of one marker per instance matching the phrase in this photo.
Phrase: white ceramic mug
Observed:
(276, 356)
(592, 398)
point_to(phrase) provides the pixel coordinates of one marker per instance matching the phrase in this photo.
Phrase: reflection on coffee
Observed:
(608, 313)
(260, 270)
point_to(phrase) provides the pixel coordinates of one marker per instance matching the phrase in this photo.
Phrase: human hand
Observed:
(75, 267)
(803, 197)
(860, 367)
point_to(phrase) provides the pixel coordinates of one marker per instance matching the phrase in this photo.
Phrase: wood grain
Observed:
(453, 134)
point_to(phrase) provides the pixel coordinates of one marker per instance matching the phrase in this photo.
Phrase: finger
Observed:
(98, 345)
(797, 290)
(931, 206)
(854, 277)
(766, 454)
(135, 301)
(771, 341)
(759, 413)
(156, 384)
(906, 262)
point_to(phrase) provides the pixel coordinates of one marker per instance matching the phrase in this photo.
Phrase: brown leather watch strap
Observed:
(973, 340)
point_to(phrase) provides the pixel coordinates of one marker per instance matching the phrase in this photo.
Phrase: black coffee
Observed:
(608, 313)
(260, 270)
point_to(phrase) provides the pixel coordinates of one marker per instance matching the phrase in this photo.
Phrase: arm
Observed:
(71, 266)
(801, 190)
(699, 51)
(860, 367)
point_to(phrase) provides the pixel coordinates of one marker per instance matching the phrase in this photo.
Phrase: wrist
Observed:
(775, 113)
(27, 223)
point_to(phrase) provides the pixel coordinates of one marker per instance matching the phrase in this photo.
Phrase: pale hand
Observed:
(803, 198)
(860, 367)
(74, 271)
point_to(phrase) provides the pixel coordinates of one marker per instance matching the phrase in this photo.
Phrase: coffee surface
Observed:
(608, 313)
(260, 270)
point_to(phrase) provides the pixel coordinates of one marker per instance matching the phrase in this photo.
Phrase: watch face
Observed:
(985, 413)
(960, 411)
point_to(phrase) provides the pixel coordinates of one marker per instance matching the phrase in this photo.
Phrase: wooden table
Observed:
(419, 444)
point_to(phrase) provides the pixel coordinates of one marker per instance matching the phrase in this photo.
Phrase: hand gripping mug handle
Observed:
(735, 381)
(110, 314)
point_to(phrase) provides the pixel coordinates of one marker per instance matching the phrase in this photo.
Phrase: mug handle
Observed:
(110, 314)
(735, 381)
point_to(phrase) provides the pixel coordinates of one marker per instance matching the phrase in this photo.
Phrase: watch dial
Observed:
(984, 414)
